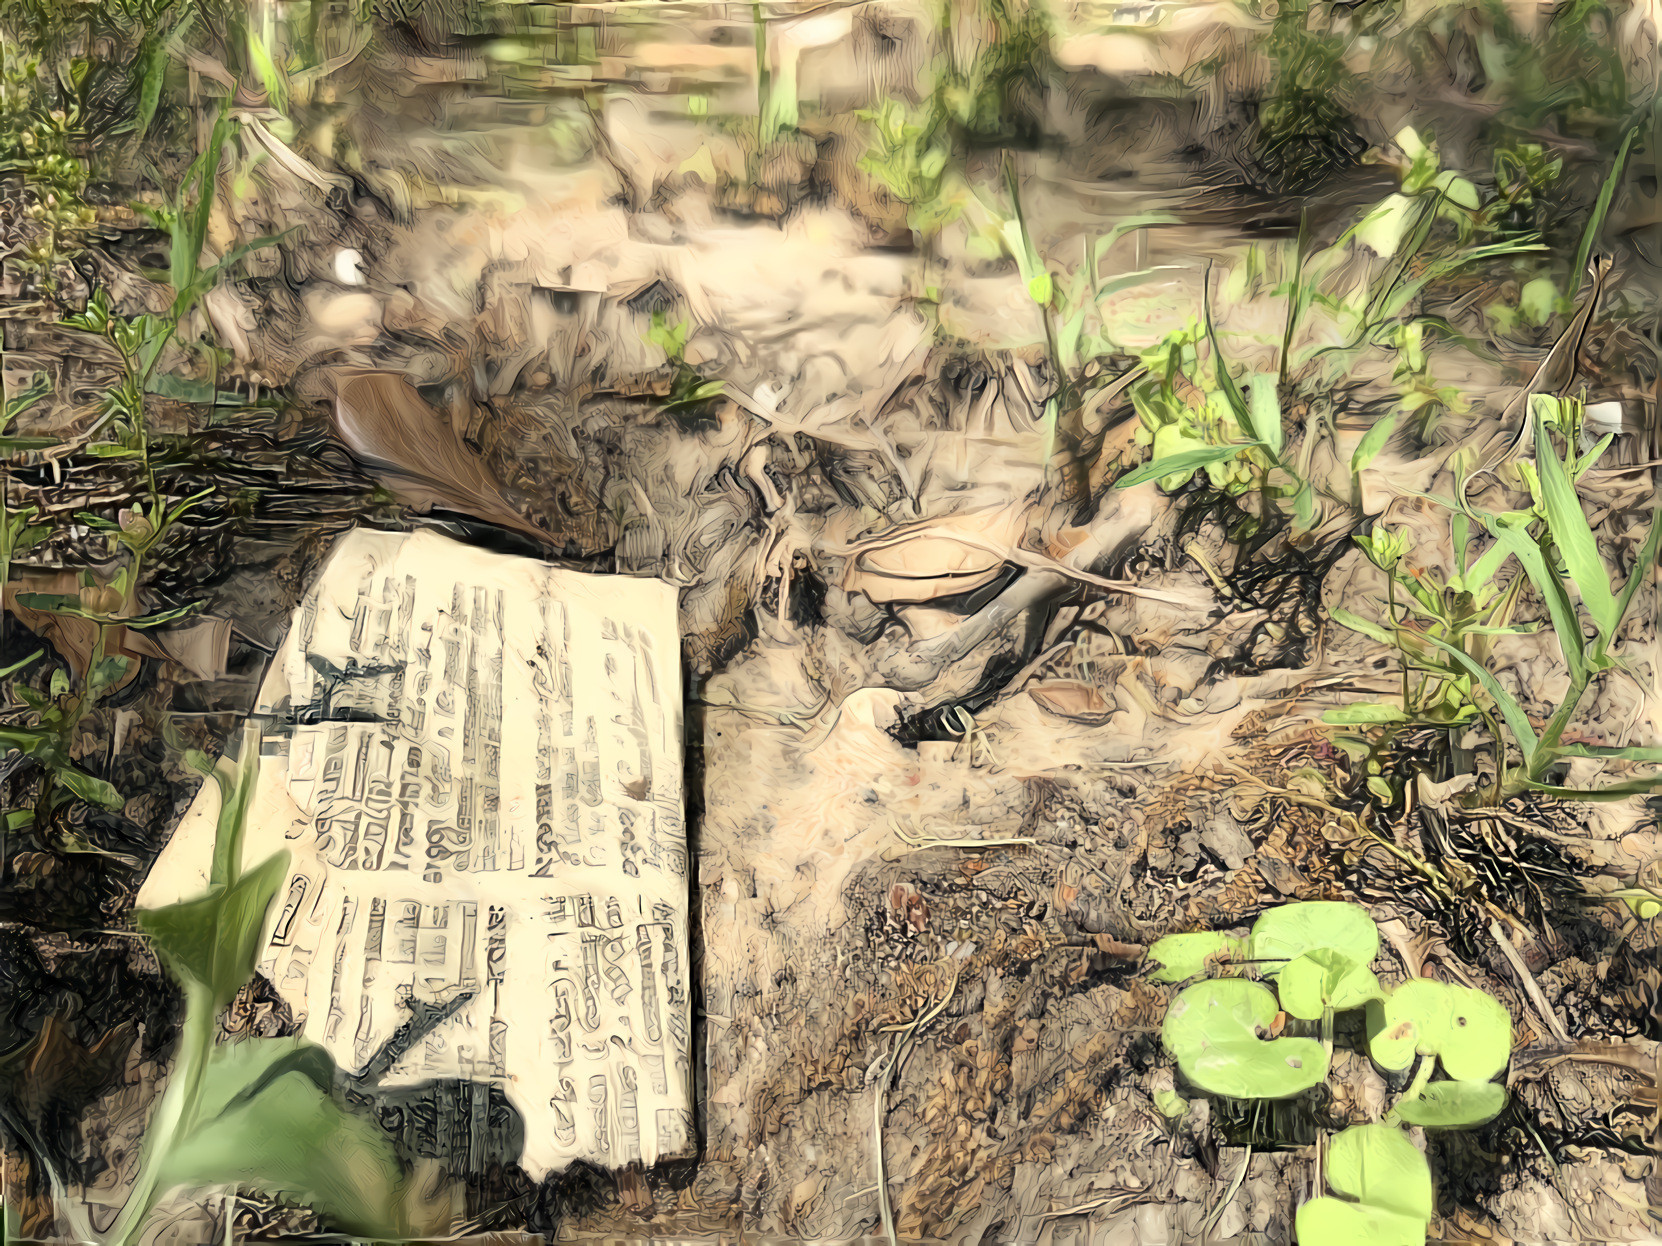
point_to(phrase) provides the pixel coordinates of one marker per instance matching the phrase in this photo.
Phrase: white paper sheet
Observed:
(475, 762)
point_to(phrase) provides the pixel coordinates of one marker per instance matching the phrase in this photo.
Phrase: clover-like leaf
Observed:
(1323, 979)
(1184, 955)
(1212, 1028)
(1379, 1166)
(1288, 932)
(1468, 1031)
(1332, 1221)
(1454, 1105)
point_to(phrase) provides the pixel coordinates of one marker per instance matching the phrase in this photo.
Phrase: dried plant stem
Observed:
(1526, 980)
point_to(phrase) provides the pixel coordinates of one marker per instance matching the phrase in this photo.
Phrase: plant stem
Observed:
(1402, 656)
(174, 1115)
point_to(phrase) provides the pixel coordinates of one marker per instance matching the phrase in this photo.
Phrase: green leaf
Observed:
(1351, 715)
(1380, 1167)
(1566, 625)
(16, 405)
(1212, 1030)
(1171, 1104)
(1187, 463)
(1572, 535)
(1523, 731)
(292, 1141)
(1616, 791)
(1288, 932)
(7, 671)
(84, 787)
(1264, 412)
(239, 1071)
(1357, 623)
(153, 58)
(1454, 1105)
(266, 69)
(1601, 208)
(1373, 441)
(1183, 956)
(1469, 1031)
(1323, 979)
(1632, 752)
(1330, 1221)
(1641, 565)
(1220, 366)
(214, 940)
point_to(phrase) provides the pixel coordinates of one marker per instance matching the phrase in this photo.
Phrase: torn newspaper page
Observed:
(475, 762)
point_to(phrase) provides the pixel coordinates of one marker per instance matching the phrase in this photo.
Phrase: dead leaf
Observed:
(936, 558)
(1074, 700)
(387, 424)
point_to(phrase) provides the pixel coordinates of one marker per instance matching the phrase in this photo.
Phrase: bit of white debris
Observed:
(349, 267)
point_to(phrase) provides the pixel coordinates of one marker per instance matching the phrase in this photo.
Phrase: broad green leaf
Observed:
(1572, 535)
(1185, 463)
(238, 1071)
(1287, 932)
(1350, 715)
(1330, 1221)
(1517, 721)
(1183, 956)
(1323, 979)
(1373, 441)
(1380, 1167)
(1212, 1030)
(215, 939)
(1467, 1030)
(292, 1141)
(1454, 1105)
(1264, 412)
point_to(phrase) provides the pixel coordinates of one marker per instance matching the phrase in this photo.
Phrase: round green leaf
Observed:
(1470, 1032)
(1379, 1166)
(1186, 955)
(1293, 929)
(1325, 979)
(1334, 1222)
(1454, 1105)
(1212, 1029)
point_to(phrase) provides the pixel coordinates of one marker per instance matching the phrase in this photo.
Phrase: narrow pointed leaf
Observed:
(1571, 533)
(1516, 719)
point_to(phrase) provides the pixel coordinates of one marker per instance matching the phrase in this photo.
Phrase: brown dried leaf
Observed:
(1074, 700)
(936, 558)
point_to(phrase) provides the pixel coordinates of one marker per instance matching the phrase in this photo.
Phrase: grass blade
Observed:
(1645, 561)
(1358, 624)
(1188, 461)
(1572, 535)
(1226, 383)
(1601, 209)
(1566, 625)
